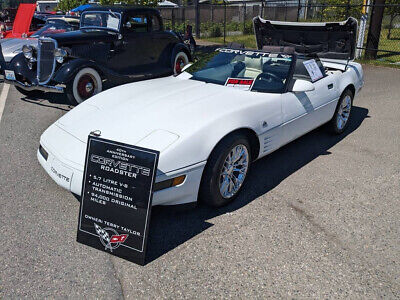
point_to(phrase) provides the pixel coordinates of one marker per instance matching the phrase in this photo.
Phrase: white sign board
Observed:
(313, 69)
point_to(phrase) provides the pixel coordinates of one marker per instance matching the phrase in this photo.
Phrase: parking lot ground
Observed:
(319, 218)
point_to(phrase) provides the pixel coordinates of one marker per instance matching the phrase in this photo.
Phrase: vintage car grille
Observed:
(46, 60)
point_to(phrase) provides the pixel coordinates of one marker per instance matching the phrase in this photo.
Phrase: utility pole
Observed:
(374, 31)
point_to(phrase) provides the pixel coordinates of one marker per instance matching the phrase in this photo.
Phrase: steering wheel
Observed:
(268, 77)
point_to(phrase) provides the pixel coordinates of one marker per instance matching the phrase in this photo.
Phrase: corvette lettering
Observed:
(119, 167)
(59, 175)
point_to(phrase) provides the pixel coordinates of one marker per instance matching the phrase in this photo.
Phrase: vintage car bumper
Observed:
(32, 87)
(69, 174)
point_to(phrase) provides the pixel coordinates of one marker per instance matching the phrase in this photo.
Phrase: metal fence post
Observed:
(224, 22)
(298, 10)
(197, 18)
(262, 8)
(244, 17)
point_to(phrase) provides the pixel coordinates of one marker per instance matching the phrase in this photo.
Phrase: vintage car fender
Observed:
(68, 70)
(20, 67)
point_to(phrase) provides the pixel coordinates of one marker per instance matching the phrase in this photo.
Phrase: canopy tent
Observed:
(82, 7)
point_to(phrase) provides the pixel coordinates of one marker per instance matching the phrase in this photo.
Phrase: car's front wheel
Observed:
(181, 60)
(86, 83)
(226, 171)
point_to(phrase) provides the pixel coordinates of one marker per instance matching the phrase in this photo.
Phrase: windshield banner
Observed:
(240, 83)
(116, 198)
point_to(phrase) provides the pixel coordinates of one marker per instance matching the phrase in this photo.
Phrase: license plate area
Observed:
(10, 75)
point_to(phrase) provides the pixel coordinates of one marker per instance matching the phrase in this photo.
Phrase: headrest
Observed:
(279, 49)
(254, 63)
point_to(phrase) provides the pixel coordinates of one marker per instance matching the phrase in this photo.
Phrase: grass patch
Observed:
(248, 40)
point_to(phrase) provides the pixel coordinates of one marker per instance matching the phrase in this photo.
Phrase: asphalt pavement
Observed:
(319, 218)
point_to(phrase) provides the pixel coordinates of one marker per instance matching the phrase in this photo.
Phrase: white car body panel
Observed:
(184, 119)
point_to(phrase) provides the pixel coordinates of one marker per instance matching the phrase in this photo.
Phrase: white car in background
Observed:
(222, 113)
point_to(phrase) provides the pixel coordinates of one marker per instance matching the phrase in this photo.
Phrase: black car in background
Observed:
(114, 45)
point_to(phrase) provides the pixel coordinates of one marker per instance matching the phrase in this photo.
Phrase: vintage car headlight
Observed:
(59, 54)
(28, 51)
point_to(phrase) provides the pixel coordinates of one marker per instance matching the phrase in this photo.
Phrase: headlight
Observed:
(28, 51)
(59, 54)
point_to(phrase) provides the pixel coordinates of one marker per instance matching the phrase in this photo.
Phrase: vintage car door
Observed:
(162, 40)
(302, 112)
(135, 59)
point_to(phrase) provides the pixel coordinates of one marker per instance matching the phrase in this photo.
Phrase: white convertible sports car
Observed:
(222, 113)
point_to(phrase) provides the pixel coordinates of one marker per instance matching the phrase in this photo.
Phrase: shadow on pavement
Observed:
(47, 100)
(173, 226)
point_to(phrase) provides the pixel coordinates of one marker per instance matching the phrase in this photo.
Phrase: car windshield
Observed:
(101, 19)
(54, 27)
(244, 69)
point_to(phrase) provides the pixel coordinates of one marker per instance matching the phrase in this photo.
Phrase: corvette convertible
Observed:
(220, 114)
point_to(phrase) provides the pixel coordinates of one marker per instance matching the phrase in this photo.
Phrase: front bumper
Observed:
(70, 176)
(43, 88)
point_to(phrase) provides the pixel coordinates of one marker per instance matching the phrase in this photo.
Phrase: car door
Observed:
(162, 45)
(135, 58)
(304, 111)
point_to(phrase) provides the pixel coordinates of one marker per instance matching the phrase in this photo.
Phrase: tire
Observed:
(181, 59)
(341, 117)
(29, 93)
(86, 83)
(212, 183)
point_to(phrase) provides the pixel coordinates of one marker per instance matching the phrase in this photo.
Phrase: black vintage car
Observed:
(114, 45)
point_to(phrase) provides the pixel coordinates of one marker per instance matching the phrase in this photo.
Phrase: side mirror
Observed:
(128, 25)
(301, 86)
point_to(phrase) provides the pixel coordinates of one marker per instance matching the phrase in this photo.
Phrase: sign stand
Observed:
(117, 193)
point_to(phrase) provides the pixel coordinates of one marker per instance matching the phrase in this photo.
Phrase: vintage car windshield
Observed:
(260, 71)
(101, 19)
(52, 28)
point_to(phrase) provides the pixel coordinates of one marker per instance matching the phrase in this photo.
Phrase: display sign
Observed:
(313, 69)
(116, 199)
(240, 83)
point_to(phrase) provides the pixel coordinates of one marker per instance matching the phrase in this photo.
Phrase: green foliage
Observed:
(67, 5)
(335, 10)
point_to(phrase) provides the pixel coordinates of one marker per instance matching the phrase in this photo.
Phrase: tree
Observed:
(340, 9)
(393, 10)
(67, 5)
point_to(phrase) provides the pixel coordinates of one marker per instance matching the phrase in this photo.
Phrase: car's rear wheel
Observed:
(341, 118)
(181, 60)
(226, 171)
(86, 83)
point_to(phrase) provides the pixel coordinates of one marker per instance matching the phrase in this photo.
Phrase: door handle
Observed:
(330, 86)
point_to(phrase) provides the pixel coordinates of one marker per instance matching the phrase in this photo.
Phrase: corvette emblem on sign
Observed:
(108, 242)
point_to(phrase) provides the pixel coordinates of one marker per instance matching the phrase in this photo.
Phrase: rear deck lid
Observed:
(334, 40)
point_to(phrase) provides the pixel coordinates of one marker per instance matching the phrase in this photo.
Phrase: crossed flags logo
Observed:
(108, 242)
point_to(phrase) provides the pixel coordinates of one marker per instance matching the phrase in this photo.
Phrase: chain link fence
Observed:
(225, 21)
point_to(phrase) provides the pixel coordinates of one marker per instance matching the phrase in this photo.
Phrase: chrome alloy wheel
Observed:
(343, 112)
(234, 171)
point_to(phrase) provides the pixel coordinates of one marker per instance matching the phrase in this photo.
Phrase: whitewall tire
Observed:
(87, 83)
(181, 60)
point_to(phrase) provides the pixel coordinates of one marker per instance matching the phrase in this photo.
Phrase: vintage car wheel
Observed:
(226, 171)
(87, 83)
(340, 119)
(181, 60)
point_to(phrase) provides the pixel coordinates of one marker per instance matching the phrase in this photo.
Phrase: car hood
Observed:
(132, 112)
(333, 40)
(84, 36)
(11, 47)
